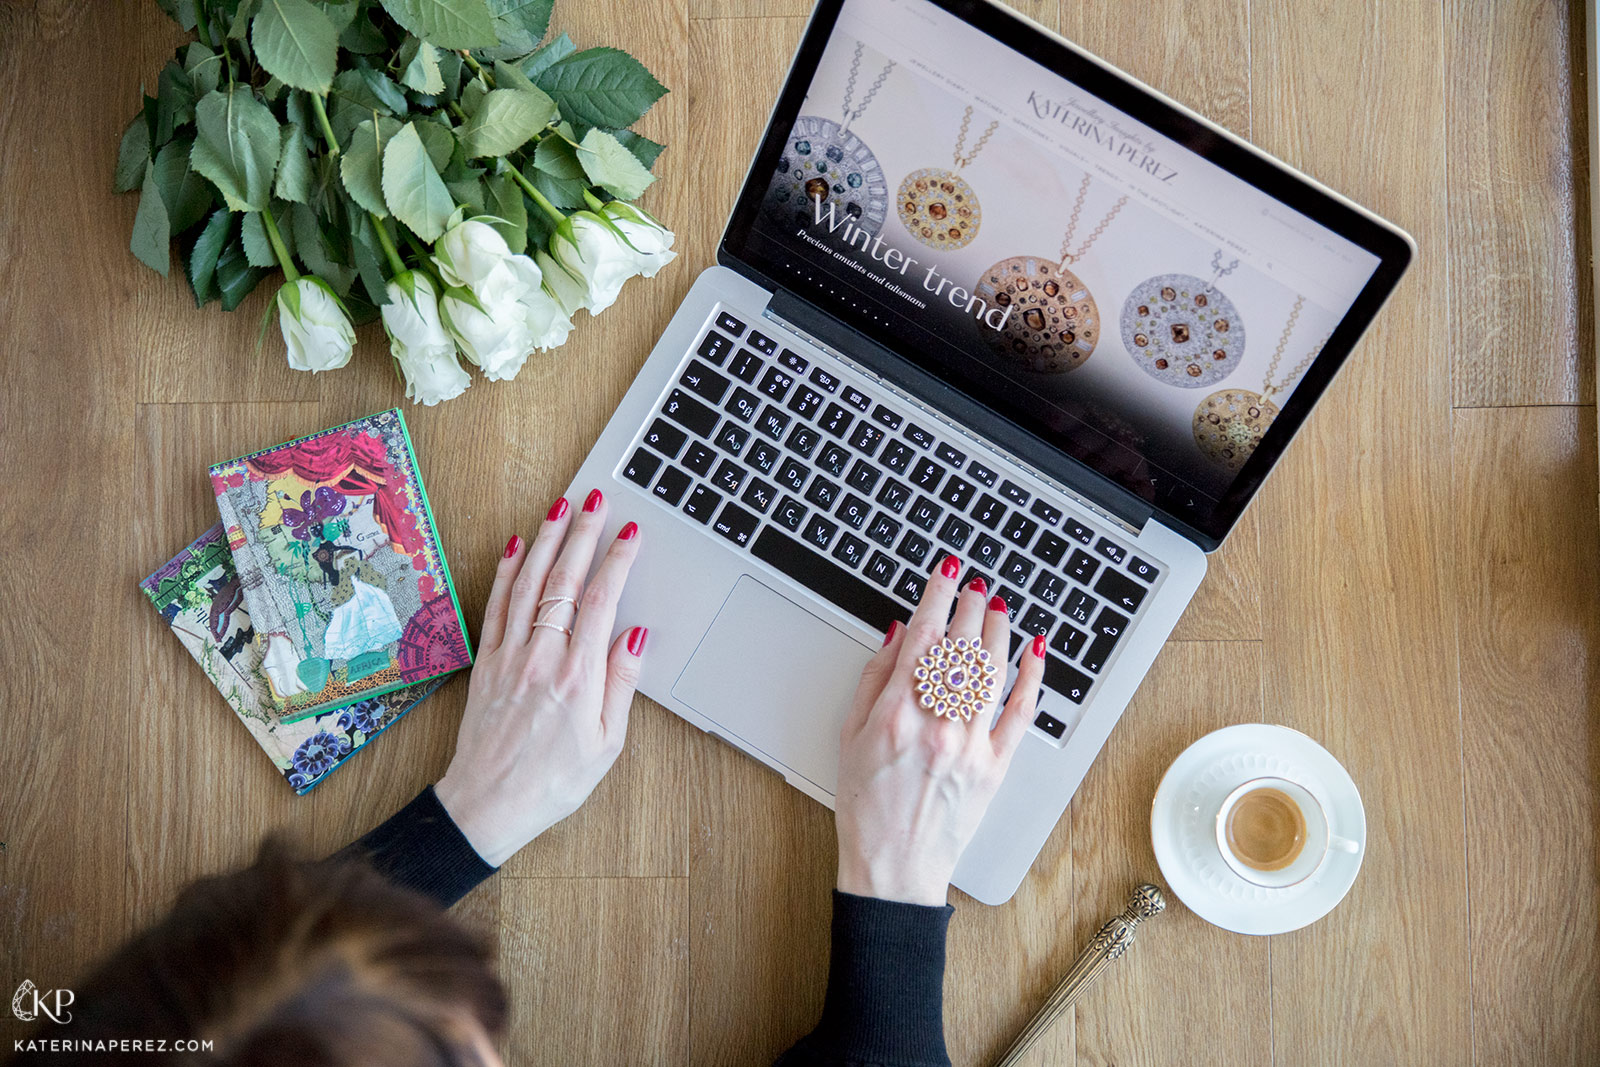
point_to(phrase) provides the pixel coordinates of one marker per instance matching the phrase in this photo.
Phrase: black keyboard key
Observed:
(729, 477)
(982, 473)
(1078, 531)
(918, 436)
(665, 438)
(911, 585)
(736, 524)
(1120, 590)
(762, 456)
(1068, 681)
(727, 322)
(1110, 623)
(820, 530)
(833, 458)
(957, 492)
(836, 420)
(732, 437)
(867, 438)
(823, 380)
(699, 458)
(1047, 514)
(703, 381)
(1069, 640)
(790, 514)
(758, 495)
(805, 402)
(1111, 550)
(1049, 588)
(850, 551)
(641, 468)
(1050, 725)
(1145, 572)
(1017, 569)
(1019, 529)
(826, 578)
(1037, 621)
(894, 496)
(953, 456)
(714, 348)
(822, 493)
(803, 440)
(863, 476)
(776, 384)
(925, 513)
(743, 405)
(897, 456)
(793, 360)
(760, 340)
(881, 414)
(881, 568)
(955, 532)
(926, 474)
(1014, 492)
(914, 549)
(1081, 566)
(1099, 650)
(686, 411)
(672, 484)
(986, 550)
(1080, 605)
(883, 530)
(857, 399)
(854, 511)
(746, 366)
(1050, 548)
(701, 503)
(988, 511)
(772, 422)
(793, 473)
(1014, 600)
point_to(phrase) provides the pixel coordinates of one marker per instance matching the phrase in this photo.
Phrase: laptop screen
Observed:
(1144, 294)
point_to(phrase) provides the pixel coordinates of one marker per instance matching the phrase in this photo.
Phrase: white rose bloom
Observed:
(548, 321)
(490, 322)
(419, 342)
(570, 292)
(316, 330)
(652, 242)
(592, 252)
(468, 253)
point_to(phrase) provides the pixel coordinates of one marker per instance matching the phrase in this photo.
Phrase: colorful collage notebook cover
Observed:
(197, 593)
(339, 566)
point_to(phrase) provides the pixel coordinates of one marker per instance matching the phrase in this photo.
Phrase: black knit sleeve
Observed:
(420, 847)
(885, 1001)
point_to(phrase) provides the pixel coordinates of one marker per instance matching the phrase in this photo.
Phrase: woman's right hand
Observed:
(913, 786)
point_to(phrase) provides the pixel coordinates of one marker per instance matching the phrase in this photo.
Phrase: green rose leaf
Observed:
(412, 187)
(340, 12)
(361, 37)
(562, 192)
(360, 166)
(316, 245)
(296, 43)
(203, 66)
(446, 23)
(294, 167)
(601, 87)
(520, 25)
(508, 206)
(258, 251)
(364, 249)
(558, 159)
(187, 195)
(237, 147)
(180, 11)
(152, 234)
(241, 19)
(439, 140)
(421, 62)
(612, 167)
(132, 155)
(560, 48)
(203, 256)
(505, 120)
(235, 276)
(643, 148)
(393, 97)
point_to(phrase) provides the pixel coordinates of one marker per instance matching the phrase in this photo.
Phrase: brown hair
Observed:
(320, 964)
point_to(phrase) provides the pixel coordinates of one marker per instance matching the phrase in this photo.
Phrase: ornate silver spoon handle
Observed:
(1112, 941)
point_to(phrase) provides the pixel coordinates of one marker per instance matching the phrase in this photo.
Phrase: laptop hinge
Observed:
(933, 414)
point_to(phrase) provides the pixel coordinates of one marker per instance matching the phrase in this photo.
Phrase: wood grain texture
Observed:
(1529, 624)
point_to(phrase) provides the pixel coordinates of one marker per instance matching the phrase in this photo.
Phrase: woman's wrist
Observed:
(864, 876)
(472, 817)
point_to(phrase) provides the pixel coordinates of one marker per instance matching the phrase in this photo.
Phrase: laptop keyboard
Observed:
(837, 487)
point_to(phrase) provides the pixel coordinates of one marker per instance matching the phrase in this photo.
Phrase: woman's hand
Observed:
(546, 713)
(913, 786)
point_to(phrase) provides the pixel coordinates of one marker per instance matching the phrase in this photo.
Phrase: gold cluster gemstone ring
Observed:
(956, 679)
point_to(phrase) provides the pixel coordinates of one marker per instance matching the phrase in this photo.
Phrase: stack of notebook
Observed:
(320, 605)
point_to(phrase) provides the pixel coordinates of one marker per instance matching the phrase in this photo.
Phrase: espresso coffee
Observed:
(1266, 829)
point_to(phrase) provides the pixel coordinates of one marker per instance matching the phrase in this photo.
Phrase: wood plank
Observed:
(1358, 631)
(1528, 603)
(1519, 227)
(597, 969)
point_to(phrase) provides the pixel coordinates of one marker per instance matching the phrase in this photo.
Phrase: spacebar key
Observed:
(831, 582)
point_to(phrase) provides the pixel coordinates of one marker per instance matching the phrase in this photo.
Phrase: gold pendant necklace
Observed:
(1229, 424)
(824, 166)
(1183, 330)
(937, 206)
(1053, 322)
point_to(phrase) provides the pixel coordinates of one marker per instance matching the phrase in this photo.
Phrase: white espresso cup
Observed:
(1279, 838)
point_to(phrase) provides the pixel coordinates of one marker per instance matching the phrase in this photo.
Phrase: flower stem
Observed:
(593, 201)
(284, 259)
(389, 252)
(455, 109)
(473, 65)
(536, 196)
(203, 26)
(322, 120)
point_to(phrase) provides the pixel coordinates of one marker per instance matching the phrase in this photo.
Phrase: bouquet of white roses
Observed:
(428, 162)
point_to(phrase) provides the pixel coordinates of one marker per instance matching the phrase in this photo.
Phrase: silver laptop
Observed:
(981, 294)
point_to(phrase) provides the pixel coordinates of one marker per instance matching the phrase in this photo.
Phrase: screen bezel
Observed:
(1391, 246)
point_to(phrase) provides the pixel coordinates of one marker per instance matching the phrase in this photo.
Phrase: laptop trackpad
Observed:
(777, 677)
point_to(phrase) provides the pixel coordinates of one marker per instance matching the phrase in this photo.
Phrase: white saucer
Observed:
(1183, 822)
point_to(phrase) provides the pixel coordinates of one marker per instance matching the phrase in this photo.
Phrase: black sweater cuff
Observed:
(885, 1001)
(420, 847)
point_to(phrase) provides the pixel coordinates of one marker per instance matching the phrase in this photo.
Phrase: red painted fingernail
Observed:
(636, 638)
(558, 509)
(998, 603)
(951, 567)
(979, 586)
(593, 500)
(894, 628)
(1038, 647)
(512, 546)
(628, 532)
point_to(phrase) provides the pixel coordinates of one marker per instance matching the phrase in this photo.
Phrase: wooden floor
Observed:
(1416, 587)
